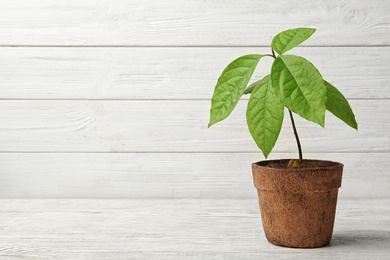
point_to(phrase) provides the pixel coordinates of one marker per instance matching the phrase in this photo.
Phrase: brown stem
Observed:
(296, 136)
(293, 124)
(273, 53)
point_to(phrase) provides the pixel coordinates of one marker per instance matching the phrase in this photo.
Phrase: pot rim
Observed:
(263, 164)
(297, 180)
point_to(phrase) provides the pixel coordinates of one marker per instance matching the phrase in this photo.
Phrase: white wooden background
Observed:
(110, 99)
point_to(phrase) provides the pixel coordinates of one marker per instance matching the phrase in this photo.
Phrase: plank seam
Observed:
(140, 99)
(183, 152)
(187, 46)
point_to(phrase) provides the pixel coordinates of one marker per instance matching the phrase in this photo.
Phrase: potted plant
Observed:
(297, 197)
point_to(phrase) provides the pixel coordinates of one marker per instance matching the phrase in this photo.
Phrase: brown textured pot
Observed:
(298, 205)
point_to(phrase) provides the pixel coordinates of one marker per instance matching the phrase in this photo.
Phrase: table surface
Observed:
(176, 229)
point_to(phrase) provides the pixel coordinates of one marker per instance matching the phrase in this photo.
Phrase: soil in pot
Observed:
(298, 205)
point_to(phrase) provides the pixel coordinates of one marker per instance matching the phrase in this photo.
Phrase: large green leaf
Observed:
(300, 87)
(338, 105)
(231, 85)
(289, 39)
(264, 115)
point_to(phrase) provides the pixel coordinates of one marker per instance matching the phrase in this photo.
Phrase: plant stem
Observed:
(273, 53)
(296, 136)
(293, 123)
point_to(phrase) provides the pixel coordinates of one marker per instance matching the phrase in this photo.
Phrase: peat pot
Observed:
(297, 205)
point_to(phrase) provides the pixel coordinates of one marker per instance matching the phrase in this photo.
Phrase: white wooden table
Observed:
(176, 229)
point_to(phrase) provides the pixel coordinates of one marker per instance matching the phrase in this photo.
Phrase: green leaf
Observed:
(250, 88)
(300, 87)
(338, 105)
(231, 85)
(264, 115)
(289, 39)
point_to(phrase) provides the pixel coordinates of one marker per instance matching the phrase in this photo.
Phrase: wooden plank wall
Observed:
(110, 99)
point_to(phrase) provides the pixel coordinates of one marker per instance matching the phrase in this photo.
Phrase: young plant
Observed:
(294, 83)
